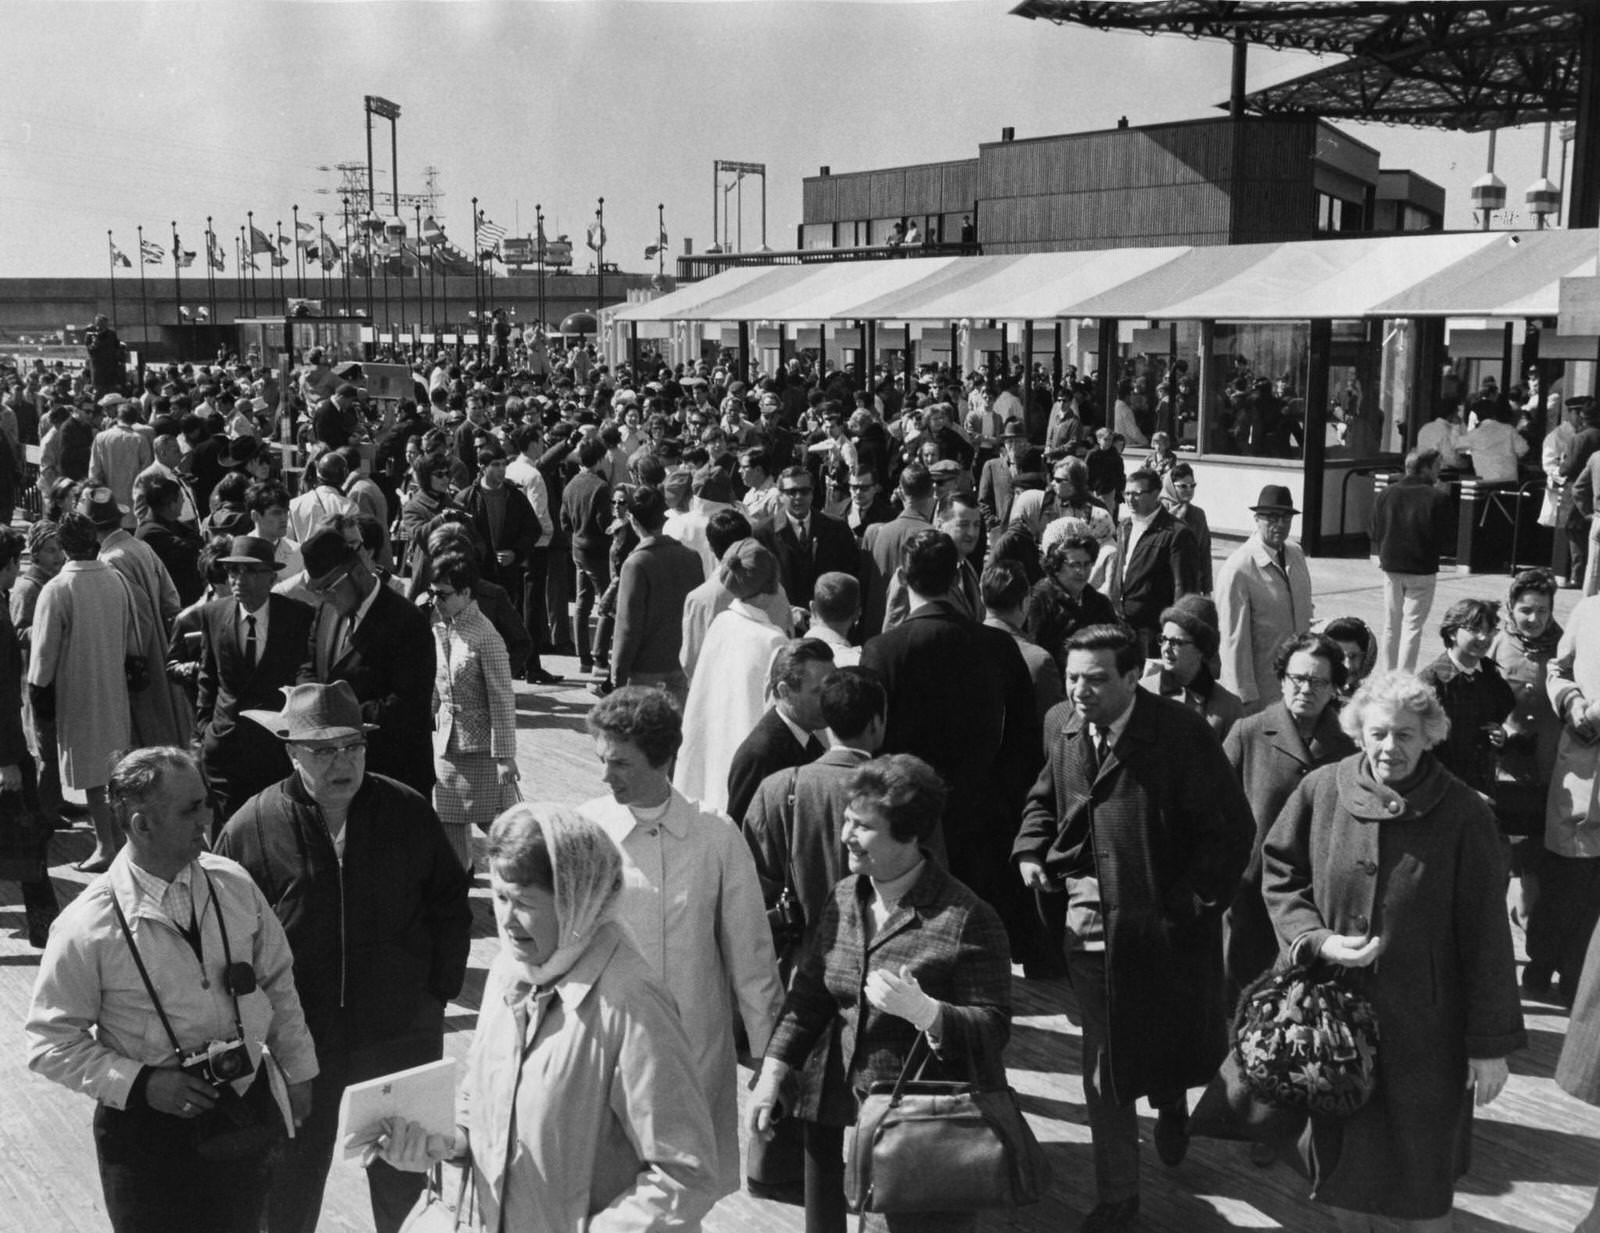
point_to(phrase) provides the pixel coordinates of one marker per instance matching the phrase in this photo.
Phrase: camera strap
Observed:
(149, 985)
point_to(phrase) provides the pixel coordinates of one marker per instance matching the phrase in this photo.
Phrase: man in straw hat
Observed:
(252, 644)
(1263, 597)
(374, 903)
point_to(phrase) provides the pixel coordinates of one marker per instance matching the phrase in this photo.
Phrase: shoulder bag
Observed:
(924, 1145)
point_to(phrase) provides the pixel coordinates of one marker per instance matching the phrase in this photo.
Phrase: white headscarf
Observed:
(588, 877)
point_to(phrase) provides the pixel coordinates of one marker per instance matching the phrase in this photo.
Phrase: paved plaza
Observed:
(1536, 1155)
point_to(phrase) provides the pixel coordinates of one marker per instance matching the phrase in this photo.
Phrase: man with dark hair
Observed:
(786, 734)
(653, 586)
(883, 545)
(960, 698)
(806, 541)
(337, 420)
(367, 634)
(1137, 831)
(374, 903)
(585, 515)
(136, 981)
(1157, 560)
(504, 522)
(868, 506)
(1005, 599)
(761, 500)
(1410, 531)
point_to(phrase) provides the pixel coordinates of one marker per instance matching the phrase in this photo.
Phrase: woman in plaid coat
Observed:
(475, 717)
(902, 950)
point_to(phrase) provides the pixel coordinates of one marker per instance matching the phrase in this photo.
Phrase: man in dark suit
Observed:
(786, 735)
(961, 699)
(884, 544)
(1157, 559)
(868, 505)
(370, 635)
(251, 647)
(1137, 830)
(806, 541)
(505, 522)
(585, 515)
(652, 588)
(997, 481)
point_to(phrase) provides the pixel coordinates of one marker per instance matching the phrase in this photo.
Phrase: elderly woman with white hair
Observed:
(1388, 866)
(579, 1108)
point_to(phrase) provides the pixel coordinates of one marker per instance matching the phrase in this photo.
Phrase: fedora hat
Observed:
(315, 712)
(1274, 499)
(251, 550)
(99, 506)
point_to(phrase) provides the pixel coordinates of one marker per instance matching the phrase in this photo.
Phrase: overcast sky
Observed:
(114, 115)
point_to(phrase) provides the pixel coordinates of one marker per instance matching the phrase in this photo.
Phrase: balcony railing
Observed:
(704, 265)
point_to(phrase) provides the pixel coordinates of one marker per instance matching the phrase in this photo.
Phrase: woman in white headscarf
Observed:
(580, 1108)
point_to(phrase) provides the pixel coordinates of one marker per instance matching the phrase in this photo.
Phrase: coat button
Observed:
(1360, 924)
(1394, 806)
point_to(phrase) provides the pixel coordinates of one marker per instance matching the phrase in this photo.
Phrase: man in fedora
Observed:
(374, 904)
(371, 636)
(1263, 596)
(252, 645)
(997, 482)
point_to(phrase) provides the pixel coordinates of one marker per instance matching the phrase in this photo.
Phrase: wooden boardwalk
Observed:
(1536, 1153)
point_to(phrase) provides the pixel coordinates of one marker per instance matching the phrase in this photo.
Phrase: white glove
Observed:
(897, 993)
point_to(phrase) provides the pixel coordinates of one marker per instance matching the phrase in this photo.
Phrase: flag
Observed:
(659, 246)
(259, 242)
(431, 231)
(330, 253)
(152, 252)
(185, 257)
(597, 235)
(118, 256)
(305, 227)
(283, 240)
(492, 232)
(214, 252)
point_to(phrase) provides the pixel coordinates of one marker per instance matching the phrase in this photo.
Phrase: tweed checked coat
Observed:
(955, 946)
(1166, 828)
(475, 710)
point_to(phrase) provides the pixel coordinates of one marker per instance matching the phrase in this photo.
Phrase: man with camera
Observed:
(374, 903)
(160, 987)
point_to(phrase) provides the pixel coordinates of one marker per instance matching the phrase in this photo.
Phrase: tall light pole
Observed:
(600, 268)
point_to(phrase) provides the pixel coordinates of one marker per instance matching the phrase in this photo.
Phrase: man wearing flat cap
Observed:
(374, 904)
(369, 635)
(1263, 594)
(252, 645)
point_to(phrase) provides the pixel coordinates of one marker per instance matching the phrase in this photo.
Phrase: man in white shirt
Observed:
(1444, 432)
(160, 1049)
(311, 511)
(761, 500)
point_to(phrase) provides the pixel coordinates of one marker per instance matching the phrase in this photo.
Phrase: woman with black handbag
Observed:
(904, 958)
(1391, 869)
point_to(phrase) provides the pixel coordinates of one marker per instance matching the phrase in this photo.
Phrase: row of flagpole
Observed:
(314, 245)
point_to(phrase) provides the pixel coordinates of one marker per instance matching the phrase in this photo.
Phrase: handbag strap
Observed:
(787, 818)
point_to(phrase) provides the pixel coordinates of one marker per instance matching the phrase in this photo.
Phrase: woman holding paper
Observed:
(579, 1109)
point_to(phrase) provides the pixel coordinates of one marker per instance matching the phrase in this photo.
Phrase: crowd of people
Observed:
(895, 687)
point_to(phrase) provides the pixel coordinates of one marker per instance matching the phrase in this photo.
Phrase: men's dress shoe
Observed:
(1111, 1217)
(538, 676)
(1172, 1134)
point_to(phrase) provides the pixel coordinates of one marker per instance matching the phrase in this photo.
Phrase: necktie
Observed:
(250, 640)
(815, 749)
(1102, 748)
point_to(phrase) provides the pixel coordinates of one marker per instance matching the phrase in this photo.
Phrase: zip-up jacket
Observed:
(379, 940)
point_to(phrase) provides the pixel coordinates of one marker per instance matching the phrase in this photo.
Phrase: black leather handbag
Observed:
(927, 1145)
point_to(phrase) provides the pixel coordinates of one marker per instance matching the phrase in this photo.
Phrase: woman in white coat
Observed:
(691, 898)
(728, 693)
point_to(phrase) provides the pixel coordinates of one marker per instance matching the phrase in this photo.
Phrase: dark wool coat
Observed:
(1166, 828)
(1426, 875)
(1271, 760)
(952, 943)
(1472, 702)
(1164, 566)
(380, 941)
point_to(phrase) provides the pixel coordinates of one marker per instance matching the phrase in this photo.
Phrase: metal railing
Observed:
(696, 266)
